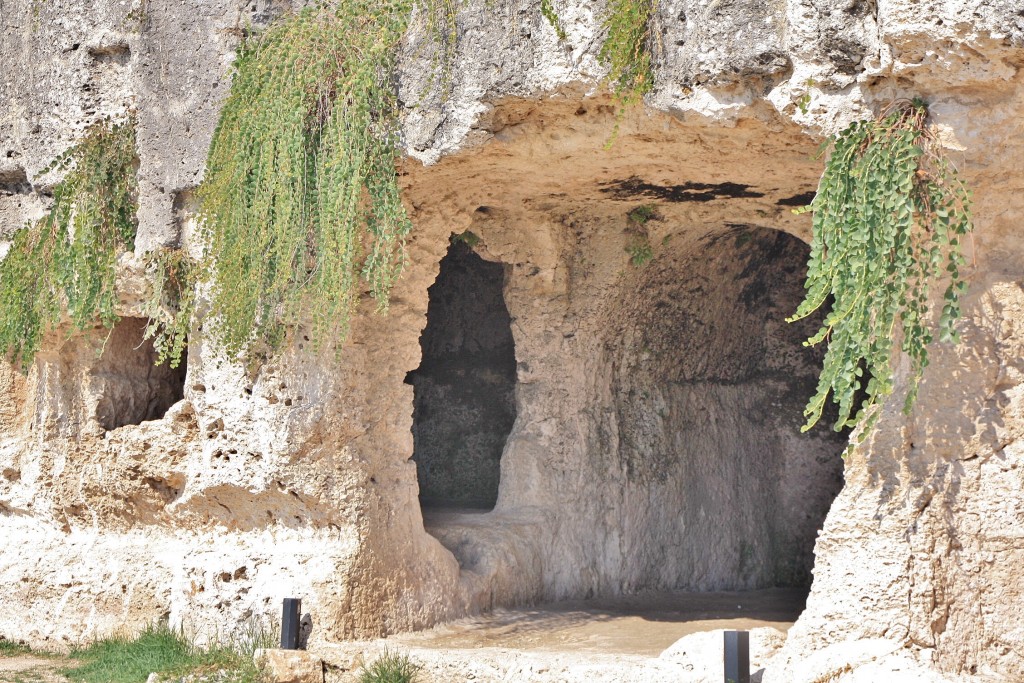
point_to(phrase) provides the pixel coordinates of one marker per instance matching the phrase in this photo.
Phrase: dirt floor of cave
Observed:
(643, 624)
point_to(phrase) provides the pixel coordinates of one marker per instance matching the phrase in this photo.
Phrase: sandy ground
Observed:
(638, 625)
(30, 669)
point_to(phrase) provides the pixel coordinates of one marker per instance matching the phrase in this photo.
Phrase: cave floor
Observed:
(626, 639)
(644, 624)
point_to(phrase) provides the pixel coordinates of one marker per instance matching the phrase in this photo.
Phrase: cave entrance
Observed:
(131, 387)
(709, 385)
(464, 389)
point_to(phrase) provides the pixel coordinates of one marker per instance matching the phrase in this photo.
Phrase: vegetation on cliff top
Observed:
(301, 198)
(301, 206)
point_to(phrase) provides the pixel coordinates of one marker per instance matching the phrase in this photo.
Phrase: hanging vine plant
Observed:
(67, 259)
(170, 308)
(442, 26)
(890, 215)
(626, 50)
(301, 199)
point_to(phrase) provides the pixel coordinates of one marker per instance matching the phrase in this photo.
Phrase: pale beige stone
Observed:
(290, 666)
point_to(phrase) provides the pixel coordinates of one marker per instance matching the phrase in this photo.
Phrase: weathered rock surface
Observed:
(655, 441)
(290, 666)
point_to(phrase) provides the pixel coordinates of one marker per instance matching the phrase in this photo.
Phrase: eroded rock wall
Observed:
(295, 478)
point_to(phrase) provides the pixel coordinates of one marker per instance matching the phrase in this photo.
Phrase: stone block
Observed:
(290, 666)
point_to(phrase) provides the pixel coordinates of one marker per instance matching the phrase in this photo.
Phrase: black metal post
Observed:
(737, 657)
(290, 623)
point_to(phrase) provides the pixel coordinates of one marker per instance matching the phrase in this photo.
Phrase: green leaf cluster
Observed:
(66, 260)
(890, 215)
(639, 246)
(390, 668)
(547, 10)
(301, 199)
(469, 238)
(642, 214)
(626, 50)
(639, 250)
(170, 308)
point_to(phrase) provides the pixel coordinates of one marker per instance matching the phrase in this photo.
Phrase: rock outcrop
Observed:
(657, 390)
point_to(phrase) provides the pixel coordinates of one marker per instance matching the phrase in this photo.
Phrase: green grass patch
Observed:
(11, 649)
(639, 250)
(166, 651)
(643, 213)
(390, 668)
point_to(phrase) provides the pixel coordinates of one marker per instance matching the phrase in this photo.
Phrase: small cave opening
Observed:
(130, 386)
(464, 390)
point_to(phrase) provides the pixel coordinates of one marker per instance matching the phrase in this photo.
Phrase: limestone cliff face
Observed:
(655, 441)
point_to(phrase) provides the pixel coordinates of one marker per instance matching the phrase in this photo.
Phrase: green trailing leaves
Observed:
(889, 216)
(547, 9)
(66, 260)
(442, 25)
(626, 50)
(170, 308)
(301, 198)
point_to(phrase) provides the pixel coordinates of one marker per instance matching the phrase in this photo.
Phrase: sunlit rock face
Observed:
(648, 392)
